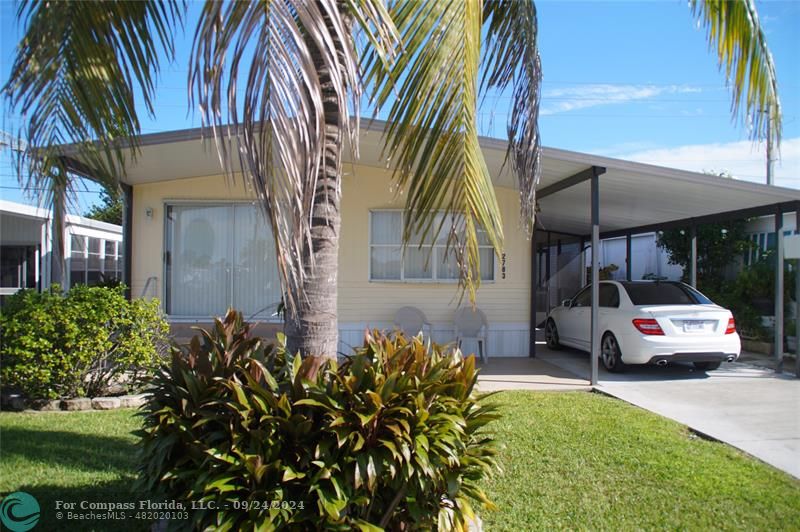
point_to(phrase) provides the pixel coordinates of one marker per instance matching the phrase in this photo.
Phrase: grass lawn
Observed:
(570, 461)
(586, 461)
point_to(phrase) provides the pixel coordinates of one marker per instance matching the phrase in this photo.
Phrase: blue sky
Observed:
(625, 79)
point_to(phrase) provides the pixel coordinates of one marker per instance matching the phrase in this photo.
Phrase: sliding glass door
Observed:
(218, 256)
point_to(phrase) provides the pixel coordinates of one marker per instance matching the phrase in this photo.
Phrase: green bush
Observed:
(391, 438)
(751, 294)
(56, 345)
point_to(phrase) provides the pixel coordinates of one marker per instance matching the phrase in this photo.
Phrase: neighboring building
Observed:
(93, 249)
(761, 231)
(200, 245)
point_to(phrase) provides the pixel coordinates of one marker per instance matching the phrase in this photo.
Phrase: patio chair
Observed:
(412, 321)
(471, 324)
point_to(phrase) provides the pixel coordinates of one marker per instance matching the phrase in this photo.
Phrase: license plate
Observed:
(694, 326)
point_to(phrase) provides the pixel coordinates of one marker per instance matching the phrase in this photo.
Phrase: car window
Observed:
(609, 295)
(583, 299)
(664, 294)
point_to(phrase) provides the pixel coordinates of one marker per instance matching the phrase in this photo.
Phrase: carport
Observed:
(584, 198)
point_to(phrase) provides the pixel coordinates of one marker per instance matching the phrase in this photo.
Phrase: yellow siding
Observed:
(148, 231)
(361, 302)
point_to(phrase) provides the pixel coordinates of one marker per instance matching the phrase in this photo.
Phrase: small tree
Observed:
(110, 209)
(718, 246)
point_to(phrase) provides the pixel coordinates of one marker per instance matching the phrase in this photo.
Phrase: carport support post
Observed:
(595, 347)
(797, 303)
(127, 238)
(628, 257)
(58, 268)
(779, 291)
(693, 257)
(534, 289)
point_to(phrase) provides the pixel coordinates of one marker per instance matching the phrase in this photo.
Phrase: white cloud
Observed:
(743, 159)
(571, 98)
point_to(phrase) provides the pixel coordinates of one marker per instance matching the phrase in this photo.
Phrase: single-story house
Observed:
(199, 245)
(93, 249)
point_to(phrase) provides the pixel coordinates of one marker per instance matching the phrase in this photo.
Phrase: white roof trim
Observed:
(29, 211)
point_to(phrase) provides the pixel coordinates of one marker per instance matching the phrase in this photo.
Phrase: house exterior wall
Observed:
(362, 303)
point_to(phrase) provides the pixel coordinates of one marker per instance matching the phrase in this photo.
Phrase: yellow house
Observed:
(199, 243)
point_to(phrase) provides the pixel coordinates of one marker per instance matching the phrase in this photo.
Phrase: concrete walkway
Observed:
(523, 373)
(751, 408)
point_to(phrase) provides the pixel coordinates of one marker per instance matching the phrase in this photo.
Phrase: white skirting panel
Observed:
(504, 339)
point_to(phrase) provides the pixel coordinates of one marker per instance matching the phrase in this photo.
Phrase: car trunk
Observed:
(689, 320)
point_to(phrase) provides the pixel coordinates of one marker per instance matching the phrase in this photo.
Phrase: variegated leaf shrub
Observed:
(242, 432)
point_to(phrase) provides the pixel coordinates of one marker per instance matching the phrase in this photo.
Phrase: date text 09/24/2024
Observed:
(245, 505)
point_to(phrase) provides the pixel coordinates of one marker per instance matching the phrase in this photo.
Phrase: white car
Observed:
(647, 322)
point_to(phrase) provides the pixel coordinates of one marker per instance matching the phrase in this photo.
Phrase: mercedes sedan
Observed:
(647, 322)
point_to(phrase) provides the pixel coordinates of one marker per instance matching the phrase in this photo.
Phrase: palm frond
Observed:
(432, 136)
(511, 57)
(734, 31)
(273, 132)
(74, 78)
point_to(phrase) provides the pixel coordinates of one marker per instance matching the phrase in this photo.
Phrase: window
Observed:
(584, 298)
(112, 267)
(94, 271)
(94, 260)
(644, 293)
(609, 295)
(18, 267)
(219, 255)
(423, 260)
(77, 260)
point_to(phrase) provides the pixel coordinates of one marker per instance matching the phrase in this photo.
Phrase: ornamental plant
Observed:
(256, 438)
(74, 344)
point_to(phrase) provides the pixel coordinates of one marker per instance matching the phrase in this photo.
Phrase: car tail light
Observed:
(731, 327)
(648, 326)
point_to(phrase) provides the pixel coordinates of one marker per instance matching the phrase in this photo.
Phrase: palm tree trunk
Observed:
(312, 328)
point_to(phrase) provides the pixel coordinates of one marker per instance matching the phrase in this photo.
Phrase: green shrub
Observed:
(751, 294)
(56, 345)
(391, 438)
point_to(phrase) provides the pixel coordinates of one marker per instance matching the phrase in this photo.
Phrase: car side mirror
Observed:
(566, 303)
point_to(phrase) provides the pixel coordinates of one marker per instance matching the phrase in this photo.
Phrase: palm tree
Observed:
(279, 82)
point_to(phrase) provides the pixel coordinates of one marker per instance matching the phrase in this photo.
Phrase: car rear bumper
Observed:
(641, 349)
(693, 357)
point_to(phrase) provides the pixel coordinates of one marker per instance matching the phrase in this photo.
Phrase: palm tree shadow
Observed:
(56, 450)
(86, 452)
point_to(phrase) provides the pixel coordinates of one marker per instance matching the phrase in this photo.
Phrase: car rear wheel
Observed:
(707, 366)
(610, 354)
(551, 335)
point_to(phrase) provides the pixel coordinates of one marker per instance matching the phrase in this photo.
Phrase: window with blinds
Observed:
(219, 256)
(424, 259)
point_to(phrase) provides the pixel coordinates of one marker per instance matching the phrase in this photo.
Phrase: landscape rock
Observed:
(132, 401)
(80, 403)
(105, 403)
(50, 406)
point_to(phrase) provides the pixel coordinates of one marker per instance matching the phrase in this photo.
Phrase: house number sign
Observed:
(503, 265)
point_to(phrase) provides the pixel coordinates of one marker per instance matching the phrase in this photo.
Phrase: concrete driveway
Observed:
(751, 408)
(523, 373)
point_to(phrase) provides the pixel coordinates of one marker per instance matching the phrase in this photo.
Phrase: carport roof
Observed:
(642, 197)
(633, 196)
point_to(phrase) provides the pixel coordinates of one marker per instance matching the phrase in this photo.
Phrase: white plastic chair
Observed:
(471, 324)
(412, 321)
